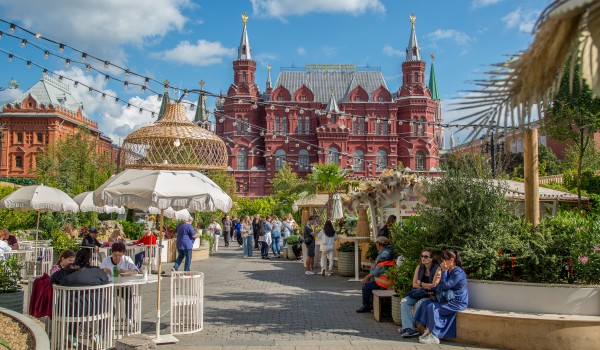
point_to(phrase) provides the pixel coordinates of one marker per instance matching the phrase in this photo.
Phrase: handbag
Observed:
(441, 295)
(417, 293)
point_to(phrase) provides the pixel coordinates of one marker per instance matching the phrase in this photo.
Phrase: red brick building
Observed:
(42, 115)
(329, 114)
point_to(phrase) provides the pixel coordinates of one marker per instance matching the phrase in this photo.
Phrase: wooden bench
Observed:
(512, 330)
(382, 304)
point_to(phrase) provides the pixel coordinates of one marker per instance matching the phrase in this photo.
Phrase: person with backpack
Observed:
(256, 224)
(237, 231)
(309, 243)
(264, 237)
(287, 228)
(215, 231)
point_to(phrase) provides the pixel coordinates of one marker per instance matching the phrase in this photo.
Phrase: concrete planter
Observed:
(396, 310)
(346, 263)
(12, 301)
(42, 342)
(534, 298)
(290, 252)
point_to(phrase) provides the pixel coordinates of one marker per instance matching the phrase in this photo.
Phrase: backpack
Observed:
(261, 229)
(238, 228)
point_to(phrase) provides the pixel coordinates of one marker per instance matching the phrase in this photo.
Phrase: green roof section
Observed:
(163, 106)
(201, 115)
(433, 84)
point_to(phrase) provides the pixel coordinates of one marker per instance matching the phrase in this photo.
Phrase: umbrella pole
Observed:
(37, 229)
(160, 240)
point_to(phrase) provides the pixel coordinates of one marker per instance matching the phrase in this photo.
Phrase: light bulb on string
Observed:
(143, 88)
(103, 96)
(389, 122)
(127, 72)
(38, 35)
(46, 54)
(249, 129)
(106, 64)
(287, 109)
(23, 42)
(28, 64)
(44, 72)
(83, 56)
(116, 100)
(67, 62)
(90, 89)
(125, 84)
(272, 108)
(160, 96)
(1, 33)
(88, 67)
(60, 78)
(366, 119)
(10, 57)
(301, 111)
(128, 106)
(262, 133)
(106, 77)
(287, 140)
(75, 83)
(141, 111)
(12, 28)
(221, 120)
(61, 48)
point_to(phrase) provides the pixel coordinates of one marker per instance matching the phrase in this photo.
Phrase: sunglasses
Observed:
(425, 256)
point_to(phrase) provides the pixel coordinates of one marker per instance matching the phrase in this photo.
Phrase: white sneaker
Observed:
(307, 273)
(425, 334)
(430, 339)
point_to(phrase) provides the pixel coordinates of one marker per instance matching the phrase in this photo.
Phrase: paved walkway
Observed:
(252, 303)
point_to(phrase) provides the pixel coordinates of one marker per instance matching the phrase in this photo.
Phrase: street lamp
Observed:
(493, 149)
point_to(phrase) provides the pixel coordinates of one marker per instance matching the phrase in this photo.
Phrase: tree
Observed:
(473, 164)
(591, 157)
(73, 164)
(224, 180)
(574, 116)
(286, 189)
(329, 178)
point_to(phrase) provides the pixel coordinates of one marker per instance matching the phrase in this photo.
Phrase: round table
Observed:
(128, 304)
(356, 257)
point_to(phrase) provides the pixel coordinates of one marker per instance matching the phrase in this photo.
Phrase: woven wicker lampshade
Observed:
(173, 143)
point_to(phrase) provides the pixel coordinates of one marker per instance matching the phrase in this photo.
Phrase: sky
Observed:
(185, 41)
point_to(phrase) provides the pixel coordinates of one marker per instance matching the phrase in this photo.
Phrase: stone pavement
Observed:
(252, 303)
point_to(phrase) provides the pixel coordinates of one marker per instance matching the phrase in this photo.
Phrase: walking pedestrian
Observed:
(286, 228)
(247, 236)
(264, 238)
(226, 229)
(276, 236)
(215, 231)
(256, 224)
(185, 242)
(327, 236)
(309, 243)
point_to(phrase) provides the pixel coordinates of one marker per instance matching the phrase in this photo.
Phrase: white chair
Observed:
(23, 256)
(82, 317)
(128, 311)
(95, 257)
(187, 302)
(150, 261)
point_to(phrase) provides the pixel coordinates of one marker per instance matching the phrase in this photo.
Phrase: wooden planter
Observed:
(12, 301)
(346, 263)
(396, 316)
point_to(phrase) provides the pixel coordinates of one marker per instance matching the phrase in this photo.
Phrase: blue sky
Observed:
(186, 41)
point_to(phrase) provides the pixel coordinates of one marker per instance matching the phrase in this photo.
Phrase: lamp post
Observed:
(493, 149)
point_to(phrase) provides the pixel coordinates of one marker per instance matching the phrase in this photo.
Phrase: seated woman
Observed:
(80, 272)
(148, 239)
(117, 236)
(90, 239)
(427, 276)
(66, 257)
(118, 260)
(440, 316)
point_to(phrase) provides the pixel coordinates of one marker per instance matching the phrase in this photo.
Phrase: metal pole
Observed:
(160, 241)
(493, 152)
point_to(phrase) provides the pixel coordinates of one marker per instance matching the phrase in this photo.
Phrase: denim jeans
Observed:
(275, 247)
(264, 249)
(248, 245)
(367, 294)
(406, 306)
(183, 253)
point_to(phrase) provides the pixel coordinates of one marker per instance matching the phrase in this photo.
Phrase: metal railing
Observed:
(187, 302)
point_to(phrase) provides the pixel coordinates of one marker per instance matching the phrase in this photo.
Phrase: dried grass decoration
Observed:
(173, 143)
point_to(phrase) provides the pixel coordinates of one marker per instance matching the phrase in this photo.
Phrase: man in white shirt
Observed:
(118, 259)
(4, 247)
(215, 231)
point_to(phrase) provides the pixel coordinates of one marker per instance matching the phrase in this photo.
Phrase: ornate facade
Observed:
(332, 113)
(42, 115)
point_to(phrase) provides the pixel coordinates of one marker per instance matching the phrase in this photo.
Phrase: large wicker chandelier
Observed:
(173, 143)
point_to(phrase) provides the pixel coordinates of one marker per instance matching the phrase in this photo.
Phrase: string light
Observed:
(12, 27)
(46, 54)
(23, 42)
(83, 56)
(87, 67)
(67, 62)
(38, 35)
(106, 64)
(106, 77)
(1, 34)
(28, 64)
(10, 57)
(61, 48)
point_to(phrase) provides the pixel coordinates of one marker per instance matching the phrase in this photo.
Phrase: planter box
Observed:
(534, 298)
(346, 263)
(290, 253)
(396, 301)
(12, 301)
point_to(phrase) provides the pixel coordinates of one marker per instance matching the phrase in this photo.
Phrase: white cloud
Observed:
(482, 3)
(101, 25)
(301, 51)
(459, 38)
(203, 53)
(9, 95)
(522, 20)
(390, 51)
(329, 51)
(265, 58)
(282, 8)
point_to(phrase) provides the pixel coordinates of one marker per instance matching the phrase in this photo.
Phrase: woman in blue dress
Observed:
(439, 318)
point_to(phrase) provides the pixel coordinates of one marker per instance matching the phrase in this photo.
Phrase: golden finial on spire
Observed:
(244, 18)
(201, 84)
(269, 68)
(413, 18)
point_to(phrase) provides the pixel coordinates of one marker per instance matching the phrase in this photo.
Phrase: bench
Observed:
(382, 303)
(513, 330)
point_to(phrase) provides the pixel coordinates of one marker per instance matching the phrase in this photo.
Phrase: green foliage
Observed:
(590, 182)
(62, 242)
(372, 252)
(328, 178)
(249, 207)
(293, 239)
(401, 277)
(224, 180)
(286, 189)
(207, 237)
(15, 219)
(73, 165)
(591, 157)
(346, 247)
(10, 274)
(132, 230)
(473, 164)
(19, 181)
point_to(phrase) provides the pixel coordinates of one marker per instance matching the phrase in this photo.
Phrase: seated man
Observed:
(123, 264)
(12, 241)
(376, 279)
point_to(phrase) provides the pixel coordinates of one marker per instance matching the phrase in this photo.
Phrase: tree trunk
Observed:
(583, 143)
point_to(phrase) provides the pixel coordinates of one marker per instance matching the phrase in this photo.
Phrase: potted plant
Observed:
(400, 281)
(346, 259)
(10, 289)
(372, 252)
(206, 241)
(291, 241)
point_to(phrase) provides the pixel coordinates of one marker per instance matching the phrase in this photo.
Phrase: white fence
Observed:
(187, 302)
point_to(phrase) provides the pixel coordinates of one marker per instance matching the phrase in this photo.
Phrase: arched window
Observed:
(386, 127)
(243, 76)
(242, 160)
(422, 126)
(416, 77)
(333, 119)
(520, 146)
(306, 125)
(416, 127)
(513, 146)
(303, 160)
(246, 126)
(284, 127)
(419, 161)
(299, 130)
(279, 159)
(381, 160)
(362, 126)
(19, 161)
(359, 161)
(333, 156)
(239, 125)
(354, 127)
(277, 125)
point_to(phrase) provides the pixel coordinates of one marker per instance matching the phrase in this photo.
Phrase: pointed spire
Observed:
(332, 105)
(201, 116)
(412, 51)
(269, 86)
(433, 82)
(244, 51)
(165, 102)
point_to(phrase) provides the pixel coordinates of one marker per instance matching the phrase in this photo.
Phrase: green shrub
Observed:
(62, 242)
(346, 247)
(372, 252)
(293, 239)
(206, 236)
(401, 277)
(132, 230)
(10, 274)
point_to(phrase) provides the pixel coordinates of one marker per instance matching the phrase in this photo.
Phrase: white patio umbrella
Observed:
(338, 211)
(183, 214)
(40, 198)
(163, 189)
(86, 204)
